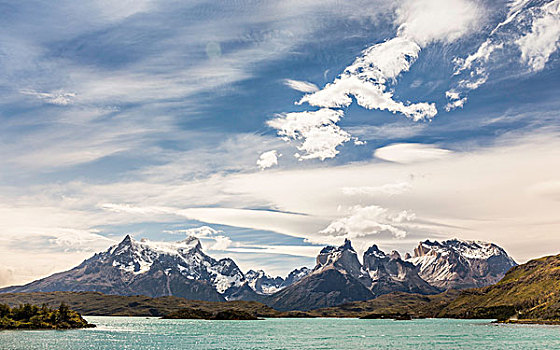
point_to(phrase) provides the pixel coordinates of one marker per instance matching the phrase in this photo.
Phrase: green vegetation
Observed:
(27, 316)
(527, 293)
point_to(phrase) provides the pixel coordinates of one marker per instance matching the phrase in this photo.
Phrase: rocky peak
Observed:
(343, 258)
(296, 275)
(374, 251)
(461, 264)
(395, 255)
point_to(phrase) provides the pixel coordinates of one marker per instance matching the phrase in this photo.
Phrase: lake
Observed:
(322, 333)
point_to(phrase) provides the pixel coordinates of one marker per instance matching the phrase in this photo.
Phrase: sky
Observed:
(272, 128)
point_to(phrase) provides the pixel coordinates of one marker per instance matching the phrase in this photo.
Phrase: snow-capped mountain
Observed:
(461, 264)
(182, 269)
(388, 273)
(263, 283)
(163, 268)
(339, 277)
(148, 268)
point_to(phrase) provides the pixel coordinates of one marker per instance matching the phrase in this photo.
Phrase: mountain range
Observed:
(182, 269)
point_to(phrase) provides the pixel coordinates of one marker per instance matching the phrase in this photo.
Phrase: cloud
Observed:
(202, 231)
(59, 98)
(368, 221)
(302, 86)
(317, 131)
(214, 239)
(367, 78)
(530, 28)
(424, 21)
(268, 159)
(543, 39)
(220, 243)
(395, 130)
(388, 189)
(411, 153)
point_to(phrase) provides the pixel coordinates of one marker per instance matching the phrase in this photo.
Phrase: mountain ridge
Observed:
(182, 269)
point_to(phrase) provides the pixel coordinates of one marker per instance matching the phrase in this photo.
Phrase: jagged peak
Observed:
(347, 245)
(375, 251)
(395, 255)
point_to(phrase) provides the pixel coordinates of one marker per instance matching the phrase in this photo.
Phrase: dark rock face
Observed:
(389, 273)
(325, 288)
(461, 264)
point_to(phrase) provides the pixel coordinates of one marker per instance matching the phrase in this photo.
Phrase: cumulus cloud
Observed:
(268, 159)
(318, 132)
(411, 153)
(302, 86)
(367, 221)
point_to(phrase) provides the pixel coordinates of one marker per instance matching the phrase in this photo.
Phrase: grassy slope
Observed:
(532, 290)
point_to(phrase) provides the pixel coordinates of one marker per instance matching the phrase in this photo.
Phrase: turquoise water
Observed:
(140, 333)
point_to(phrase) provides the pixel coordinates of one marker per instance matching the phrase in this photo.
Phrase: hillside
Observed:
(528, 292)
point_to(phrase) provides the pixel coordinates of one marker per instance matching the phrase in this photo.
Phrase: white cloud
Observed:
(213, 239)
(317, 131)
(365, 80)
(411, 153)
(59, 98)
(425, 21)
(202, 231)
(368, 221)
(220, 243)
(543, 39)
(455, 100)
(530, 28)
(302, 86)
(373, 191)
(268, 159)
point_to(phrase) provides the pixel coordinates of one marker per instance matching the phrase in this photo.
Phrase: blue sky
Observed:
(282, 126)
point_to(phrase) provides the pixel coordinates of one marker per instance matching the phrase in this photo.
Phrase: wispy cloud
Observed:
(529, 28)
(302, 86)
